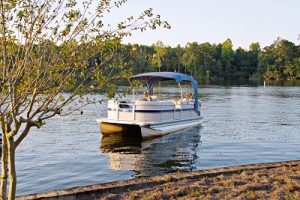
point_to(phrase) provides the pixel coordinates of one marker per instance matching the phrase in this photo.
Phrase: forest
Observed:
(205, 61)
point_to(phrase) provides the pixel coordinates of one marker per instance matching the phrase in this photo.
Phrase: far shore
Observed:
(277, 180)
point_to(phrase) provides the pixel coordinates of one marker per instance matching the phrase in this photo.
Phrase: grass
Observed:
(282, 182)
(249, 195)
(289, 196)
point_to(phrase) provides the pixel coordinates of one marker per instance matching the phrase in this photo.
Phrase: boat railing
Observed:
(127, 111)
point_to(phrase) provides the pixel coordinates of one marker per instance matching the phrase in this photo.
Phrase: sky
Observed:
(213, 21)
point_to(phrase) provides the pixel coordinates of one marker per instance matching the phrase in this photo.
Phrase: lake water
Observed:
(241, 125)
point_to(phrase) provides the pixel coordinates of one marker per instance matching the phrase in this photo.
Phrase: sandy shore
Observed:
(279, 180)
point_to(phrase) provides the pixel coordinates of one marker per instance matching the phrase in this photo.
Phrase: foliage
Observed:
(280, 60)
(158, 57)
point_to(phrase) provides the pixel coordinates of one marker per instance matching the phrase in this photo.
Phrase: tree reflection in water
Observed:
(170, 153)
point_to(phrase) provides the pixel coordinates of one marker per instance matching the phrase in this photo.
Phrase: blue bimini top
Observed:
(153, 77)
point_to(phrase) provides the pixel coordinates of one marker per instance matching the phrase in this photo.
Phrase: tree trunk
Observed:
(4, 160)
(11, 168)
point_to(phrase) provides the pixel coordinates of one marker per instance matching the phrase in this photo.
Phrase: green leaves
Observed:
(20, 14)
(73, 15)
(160, 54)
(280, 60)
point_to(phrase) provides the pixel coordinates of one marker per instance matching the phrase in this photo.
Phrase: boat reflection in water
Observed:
(173, 152)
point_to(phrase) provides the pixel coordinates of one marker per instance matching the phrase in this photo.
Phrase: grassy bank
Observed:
(260, 181)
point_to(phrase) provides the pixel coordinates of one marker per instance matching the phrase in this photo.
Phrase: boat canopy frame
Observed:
(153, 77)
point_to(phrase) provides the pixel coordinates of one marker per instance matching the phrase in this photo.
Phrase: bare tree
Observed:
(48, 48)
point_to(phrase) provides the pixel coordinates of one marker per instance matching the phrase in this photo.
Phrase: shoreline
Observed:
(276, 180)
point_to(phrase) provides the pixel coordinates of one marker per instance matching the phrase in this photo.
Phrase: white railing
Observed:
(130, 111)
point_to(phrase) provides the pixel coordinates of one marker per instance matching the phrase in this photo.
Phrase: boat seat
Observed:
(177, 102)
(154, 98)
(188, 101)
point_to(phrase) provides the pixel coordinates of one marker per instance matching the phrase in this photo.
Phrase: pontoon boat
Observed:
(152, 116)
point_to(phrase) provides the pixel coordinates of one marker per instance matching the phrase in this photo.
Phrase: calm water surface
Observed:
(240, 125)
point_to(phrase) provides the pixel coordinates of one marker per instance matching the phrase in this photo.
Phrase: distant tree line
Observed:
(205, 61)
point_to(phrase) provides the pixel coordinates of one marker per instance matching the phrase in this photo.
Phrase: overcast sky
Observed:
(243, 21)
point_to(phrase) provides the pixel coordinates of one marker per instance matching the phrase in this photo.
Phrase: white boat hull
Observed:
(165, 128)
(155, 129)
